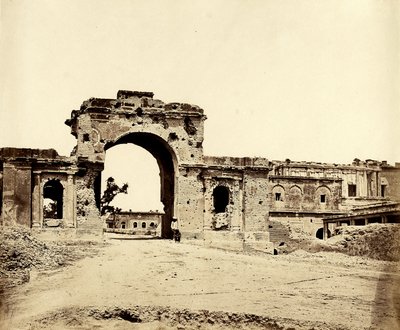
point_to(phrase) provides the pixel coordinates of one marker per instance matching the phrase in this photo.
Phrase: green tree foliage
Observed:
(109, 194)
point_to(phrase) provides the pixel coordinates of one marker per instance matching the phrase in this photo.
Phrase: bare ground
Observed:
(158, 284)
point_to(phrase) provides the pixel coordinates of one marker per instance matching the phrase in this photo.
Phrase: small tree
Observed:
(109, 194)
(50, 209)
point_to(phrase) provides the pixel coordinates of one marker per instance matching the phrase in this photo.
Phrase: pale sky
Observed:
(306, 80)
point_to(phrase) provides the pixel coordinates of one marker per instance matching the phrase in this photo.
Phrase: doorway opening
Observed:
(53, 192)
(320, 233)
(147, 164)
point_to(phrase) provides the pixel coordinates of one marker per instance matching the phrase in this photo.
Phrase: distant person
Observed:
(175, 231)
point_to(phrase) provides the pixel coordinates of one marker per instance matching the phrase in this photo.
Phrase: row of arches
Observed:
(294, 195)
(295, 189)
(221, 196)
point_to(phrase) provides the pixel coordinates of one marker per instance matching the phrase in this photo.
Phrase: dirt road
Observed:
(299, 290)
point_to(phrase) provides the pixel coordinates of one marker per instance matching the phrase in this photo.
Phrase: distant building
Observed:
(134, 222)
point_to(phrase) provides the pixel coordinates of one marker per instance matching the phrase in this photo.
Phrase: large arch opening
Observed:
(166, 161)
(131, 164)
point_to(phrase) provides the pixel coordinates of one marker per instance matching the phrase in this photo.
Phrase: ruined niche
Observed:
(53, 194)
(189, 126)
(222, 212)
(220, 199)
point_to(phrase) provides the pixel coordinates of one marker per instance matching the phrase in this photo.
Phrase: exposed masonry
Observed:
(228, 202)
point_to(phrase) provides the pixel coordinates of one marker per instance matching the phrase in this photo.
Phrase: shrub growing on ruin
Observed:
(112, 190)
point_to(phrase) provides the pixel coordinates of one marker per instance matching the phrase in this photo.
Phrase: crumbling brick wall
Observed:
(190, 202)
(256, 200)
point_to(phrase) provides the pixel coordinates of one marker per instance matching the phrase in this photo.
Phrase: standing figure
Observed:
(175, 230)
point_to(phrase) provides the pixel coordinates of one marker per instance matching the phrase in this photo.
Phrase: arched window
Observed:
(152, 224)
(135, 224)
(221, 198)
(295, 197)
(322, 195)
(143, 224)
(123, 225)
(53, 199)
(278, 194)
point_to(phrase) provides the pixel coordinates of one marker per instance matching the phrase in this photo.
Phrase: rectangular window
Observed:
(323, 198)
(278, 197)
(383, 190)
(352, 190)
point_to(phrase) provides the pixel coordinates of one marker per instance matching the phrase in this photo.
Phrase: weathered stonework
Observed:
(227, 202)
(25, 173)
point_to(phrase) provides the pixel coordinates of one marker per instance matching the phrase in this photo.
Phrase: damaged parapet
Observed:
(100, 123)
(28, 154)
(238, 162)
(133, 102)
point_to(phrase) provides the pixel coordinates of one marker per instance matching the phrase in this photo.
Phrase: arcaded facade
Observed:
(228, 202)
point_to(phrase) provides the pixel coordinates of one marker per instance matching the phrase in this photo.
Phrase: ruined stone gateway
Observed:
(227, 202)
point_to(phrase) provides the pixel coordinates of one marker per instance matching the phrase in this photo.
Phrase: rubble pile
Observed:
(20, 251)
(163, 317)
(376, 241)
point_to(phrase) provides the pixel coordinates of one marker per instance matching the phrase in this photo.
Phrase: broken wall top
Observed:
(14, 153)
(135, 103)
(237, 161)
(43, 158)
(356, 164)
